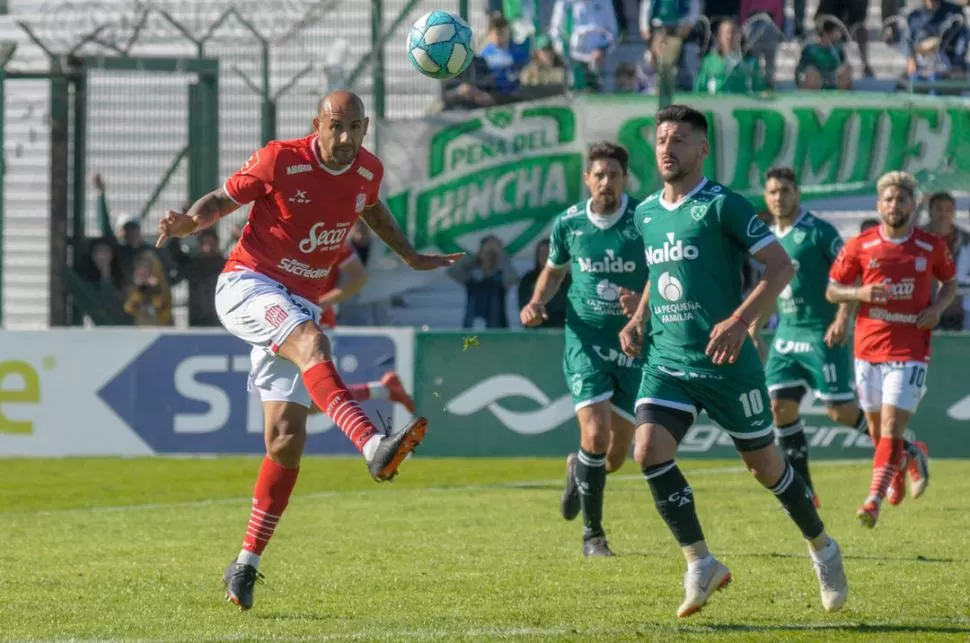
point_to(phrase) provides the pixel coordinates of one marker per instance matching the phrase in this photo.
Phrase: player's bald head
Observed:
(343, 104)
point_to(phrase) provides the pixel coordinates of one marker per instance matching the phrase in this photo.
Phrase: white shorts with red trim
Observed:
(262, 312)
(899, 384)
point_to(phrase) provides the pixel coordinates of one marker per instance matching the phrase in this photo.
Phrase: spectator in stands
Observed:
(674, 22)
(487, 277)
(128, 242)
(729, 69)
(100, 269)
(865, 224)
(546, 68)
(716, 11)
(942, 210)
(556, 308)
(851, 16)
(149, 299)
(936, 48)
(201, 269)
(763, 23)
(472, 89)
(504, 57)
(625, 79)
(584, 33)
(823, 64)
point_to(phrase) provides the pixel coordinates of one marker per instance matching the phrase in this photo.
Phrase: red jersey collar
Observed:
(316, 155)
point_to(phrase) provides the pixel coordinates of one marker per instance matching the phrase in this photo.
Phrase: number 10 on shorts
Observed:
(752, 402)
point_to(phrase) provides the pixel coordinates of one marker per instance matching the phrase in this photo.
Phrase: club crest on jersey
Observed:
(756, 227)
(275, 315)
(361, 203)
(630, 233)
(920, 264)
(873, 264)
(698, 211)
(798, 236)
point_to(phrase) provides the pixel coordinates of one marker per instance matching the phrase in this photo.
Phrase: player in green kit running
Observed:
(598, 244)
(696, 234)
(809, 351)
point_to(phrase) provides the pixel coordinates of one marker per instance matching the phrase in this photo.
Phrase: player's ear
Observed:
(316, 123)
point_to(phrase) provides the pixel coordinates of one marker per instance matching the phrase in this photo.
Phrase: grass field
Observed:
(457, 550)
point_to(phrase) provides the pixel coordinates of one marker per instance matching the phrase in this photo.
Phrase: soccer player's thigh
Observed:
(262, 313)
(591, 386)
(787, 384)
(902, 388)
(869, 382)
(665, 411)
(739, 404)
(830, 374)
(623, 424)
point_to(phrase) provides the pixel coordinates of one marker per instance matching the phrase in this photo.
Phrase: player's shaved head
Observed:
(341, 126)
(341, 102)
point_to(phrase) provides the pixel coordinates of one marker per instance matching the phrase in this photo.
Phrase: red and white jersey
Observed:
(302, 212)
(907, 268)
(328, 317)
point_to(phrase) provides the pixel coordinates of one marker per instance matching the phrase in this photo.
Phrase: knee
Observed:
(649, 449)
(286, 444)
(784, 411)
(307, 345)
(844, 414)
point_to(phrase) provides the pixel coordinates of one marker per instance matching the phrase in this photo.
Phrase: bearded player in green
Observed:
(597, 243)
(696, 233)
(809, 352)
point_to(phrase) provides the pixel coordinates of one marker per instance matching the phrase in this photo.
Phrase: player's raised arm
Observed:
(204, 213)
(382, 222)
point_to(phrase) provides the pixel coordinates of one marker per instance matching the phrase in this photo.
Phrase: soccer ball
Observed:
(439, 45)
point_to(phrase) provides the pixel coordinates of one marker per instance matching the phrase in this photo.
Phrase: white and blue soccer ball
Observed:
(440, 45)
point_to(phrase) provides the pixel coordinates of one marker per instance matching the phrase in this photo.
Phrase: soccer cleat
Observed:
(596, 547)
(394, 447)
(570, 505)
(832, 583)
(918, 469)
(897, 489)
(699, 584)
(868, 513)
(396, 392)
(239, 580)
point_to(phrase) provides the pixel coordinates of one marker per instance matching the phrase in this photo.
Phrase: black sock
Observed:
(791, 438)
(796, 498)
(675, 501)
(862, 426)
(591, 480)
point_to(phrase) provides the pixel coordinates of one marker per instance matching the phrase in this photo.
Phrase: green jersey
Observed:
(604, 254)
(729, 75)
(825, 58)
(812, 245)
(695, 251)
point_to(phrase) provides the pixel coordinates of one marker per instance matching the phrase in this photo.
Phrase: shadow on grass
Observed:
(729, 554)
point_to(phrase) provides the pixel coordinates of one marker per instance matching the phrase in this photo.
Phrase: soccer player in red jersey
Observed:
(306, 193)
(889, 270)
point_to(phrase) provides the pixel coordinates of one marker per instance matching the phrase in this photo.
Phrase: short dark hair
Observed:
(604, 150)
(682, 114)
(781, 173)
(941, 196)
(497, 21)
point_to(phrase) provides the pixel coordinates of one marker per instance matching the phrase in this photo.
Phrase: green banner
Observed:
(503, 394)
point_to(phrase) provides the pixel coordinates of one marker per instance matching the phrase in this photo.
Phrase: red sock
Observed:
(360, 392)
(270, 497)
(331, 396)
(889, 458)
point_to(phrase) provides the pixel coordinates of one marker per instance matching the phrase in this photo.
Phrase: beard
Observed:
(605, 203)
(674, 173)
(897, 221)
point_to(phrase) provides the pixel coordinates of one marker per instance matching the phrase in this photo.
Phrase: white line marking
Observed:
(525, 484)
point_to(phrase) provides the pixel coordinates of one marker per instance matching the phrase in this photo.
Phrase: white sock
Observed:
(703, 562)
(248, 558)
(377, 391)
(370, 447)
(824, 554)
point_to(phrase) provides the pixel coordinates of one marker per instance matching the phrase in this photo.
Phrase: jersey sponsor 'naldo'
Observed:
(608, 264)
(672, 250)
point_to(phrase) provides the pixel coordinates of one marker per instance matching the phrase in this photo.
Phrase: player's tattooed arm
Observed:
(203, 214)
(837, 293)
(379, 219)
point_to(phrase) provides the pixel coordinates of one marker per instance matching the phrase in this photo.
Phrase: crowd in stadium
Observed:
(724, 46)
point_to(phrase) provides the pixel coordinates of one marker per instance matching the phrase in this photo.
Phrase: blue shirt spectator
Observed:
(505, 58)
(937, 39)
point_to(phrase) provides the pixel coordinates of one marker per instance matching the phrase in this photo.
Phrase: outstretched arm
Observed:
(203, 214)
(382, 222)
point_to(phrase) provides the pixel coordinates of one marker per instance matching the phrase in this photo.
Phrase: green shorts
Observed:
(597, 373)
(799, 363)
(737, 401)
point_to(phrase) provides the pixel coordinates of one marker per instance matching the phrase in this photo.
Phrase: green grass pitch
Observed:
(458, 550)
